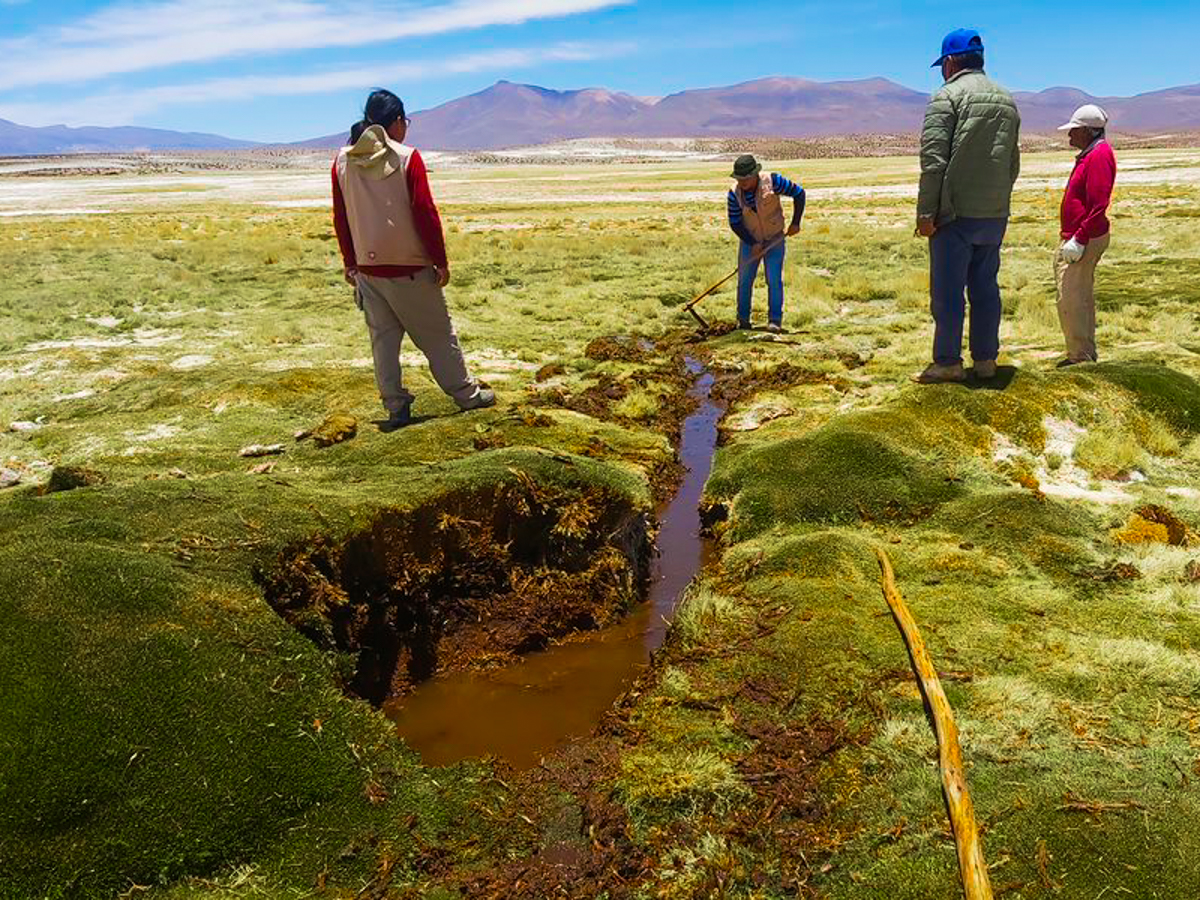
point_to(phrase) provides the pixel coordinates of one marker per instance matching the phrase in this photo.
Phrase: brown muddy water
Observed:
(524, 710)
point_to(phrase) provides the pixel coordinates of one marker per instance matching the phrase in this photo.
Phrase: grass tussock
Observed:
(640, 405)
(675, 683)
(1109, 452)
(1151, 661)
(702, 616)
(690, 781)
(1192, 451)
(686, 872)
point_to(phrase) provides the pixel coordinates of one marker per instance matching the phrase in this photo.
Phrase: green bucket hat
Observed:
(746, 166)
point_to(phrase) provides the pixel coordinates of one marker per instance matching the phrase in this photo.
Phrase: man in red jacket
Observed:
(1084, 231)
(394, 253)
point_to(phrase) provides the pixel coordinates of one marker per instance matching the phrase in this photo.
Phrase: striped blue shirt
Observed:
(782, 186)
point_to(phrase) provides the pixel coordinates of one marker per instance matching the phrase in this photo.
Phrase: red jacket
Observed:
(425, 219)
(1085, 203)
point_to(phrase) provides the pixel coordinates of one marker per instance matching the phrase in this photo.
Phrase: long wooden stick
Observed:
(971, 864)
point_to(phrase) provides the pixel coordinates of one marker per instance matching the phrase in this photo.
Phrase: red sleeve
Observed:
(1100, 177)
(341, 224)
(425, 212)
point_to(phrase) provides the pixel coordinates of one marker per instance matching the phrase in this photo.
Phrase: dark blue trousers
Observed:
(748, 271)
(964, 262)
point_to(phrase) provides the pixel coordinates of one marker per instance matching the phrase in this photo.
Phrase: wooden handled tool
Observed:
(691, 306)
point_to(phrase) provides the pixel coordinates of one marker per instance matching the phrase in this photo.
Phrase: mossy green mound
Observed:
(837, 474)
(69, 478)
(142, 741)
(1159, 389)
(161, 720)
(826, 554)
(952, 419)
(1023, 528)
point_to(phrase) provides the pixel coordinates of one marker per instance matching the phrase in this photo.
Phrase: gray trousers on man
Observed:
(414, 306)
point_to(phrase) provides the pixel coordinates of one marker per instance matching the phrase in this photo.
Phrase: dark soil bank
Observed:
(472, 577)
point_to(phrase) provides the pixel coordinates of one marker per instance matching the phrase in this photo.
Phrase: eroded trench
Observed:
(504, 621)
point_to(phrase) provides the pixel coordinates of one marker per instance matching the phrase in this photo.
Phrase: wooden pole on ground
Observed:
(971, 864)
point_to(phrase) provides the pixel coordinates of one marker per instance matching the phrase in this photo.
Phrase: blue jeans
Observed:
(965, 255)
(748, 271)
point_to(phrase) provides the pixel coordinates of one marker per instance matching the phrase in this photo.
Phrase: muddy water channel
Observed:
(522, 711)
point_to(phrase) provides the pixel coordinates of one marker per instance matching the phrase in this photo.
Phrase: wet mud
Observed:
(663, 361)
(737, 386)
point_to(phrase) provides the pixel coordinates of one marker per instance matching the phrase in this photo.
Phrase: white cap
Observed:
(1087, 116)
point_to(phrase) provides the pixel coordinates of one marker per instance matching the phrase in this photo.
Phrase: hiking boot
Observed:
(397, 418)
(485, 398)
(743, 325)
(985, 369)
(935, 373)
(775, 328)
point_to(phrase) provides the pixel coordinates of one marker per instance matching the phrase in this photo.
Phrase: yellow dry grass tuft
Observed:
(336, 429)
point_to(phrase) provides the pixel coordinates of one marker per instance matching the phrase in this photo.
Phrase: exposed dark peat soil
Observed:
(523, 710)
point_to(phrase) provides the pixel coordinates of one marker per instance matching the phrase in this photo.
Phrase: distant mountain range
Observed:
(22, 140)
(510, 115)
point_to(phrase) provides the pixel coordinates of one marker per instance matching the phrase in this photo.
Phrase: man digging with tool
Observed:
(756, 216)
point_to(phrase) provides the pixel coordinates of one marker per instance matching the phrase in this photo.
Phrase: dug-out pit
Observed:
(474, 577)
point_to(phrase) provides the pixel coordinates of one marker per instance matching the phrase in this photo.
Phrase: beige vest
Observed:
(766, 223)
(380, 213)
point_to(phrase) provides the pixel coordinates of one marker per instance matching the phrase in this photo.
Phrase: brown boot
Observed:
(936, 373)
(985, 369)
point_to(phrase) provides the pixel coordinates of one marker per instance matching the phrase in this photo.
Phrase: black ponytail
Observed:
(382, 108)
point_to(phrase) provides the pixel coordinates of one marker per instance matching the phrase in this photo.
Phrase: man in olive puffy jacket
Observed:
(969, 163)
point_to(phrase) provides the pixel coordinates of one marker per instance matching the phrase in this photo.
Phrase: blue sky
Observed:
(293, 69)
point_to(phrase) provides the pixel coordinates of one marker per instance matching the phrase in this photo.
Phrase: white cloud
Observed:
(123, 107)
(131, 36)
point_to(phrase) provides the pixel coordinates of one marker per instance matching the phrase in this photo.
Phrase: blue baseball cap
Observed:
(961, 40)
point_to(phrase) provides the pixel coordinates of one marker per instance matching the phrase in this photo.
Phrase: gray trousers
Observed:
(414, 306)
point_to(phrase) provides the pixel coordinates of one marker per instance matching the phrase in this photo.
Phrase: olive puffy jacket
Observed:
(970, 157)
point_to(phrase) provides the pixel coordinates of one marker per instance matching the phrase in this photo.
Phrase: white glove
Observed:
(1072, 250)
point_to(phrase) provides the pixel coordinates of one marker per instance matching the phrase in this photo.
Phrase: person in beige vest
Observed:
(756, 217)
(394, 254)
